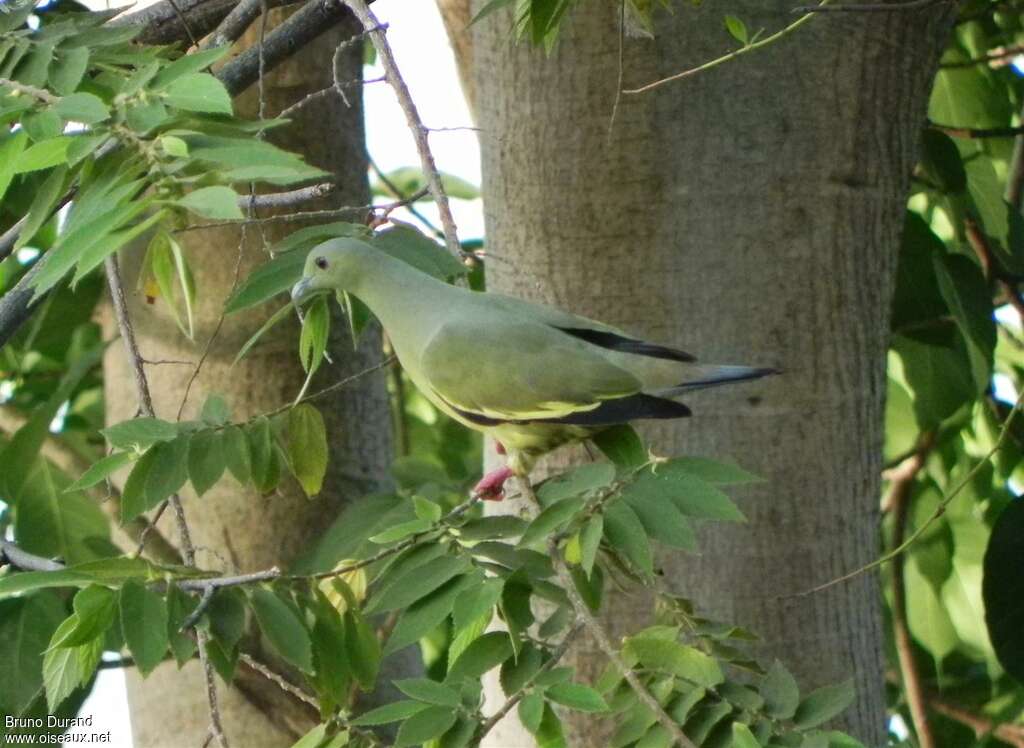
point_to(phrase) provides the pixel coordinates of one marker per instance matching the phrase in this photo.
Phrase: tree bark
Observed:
(234, 528)
(748, 214)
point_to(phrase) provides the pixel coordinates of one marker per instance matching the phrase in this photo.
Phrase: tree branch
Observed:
(146, 406)
(901, 487)
(732, 55)
(556, 655)
(868, 7)
(603, 641)
(419, 133)
(313, 19)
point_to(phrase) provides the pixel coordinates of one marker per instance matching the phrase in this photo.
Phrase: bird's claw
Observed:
(492, 486)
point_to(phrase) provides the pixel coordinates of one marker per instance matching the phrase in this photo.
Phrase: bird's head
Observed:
(335, 265)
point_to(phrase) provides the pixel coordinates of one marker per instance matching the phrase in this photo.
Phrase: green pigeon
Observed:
(530, 376)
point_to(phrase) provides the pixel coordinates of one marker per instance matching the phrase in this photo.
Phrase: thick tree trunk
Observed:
(235, 528)
(749, 214)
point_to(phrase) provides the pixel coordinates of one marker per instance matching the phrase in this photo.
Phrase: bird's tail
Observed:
(713, 376)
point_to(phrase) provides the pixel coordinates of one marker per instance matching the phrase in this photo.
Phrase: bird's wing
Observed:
(522, 371)
(591, 331)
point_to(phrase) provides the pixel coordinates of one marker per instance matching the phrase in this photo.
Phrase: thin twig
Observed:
(939, 510)
(419, 132)
(901, 487)
(868, 7)
(287, 199)
(603, 641)
(999, 54)
(146, 406)
(37, 93)
(979, 243)
(234, 24)
(556, 655)
(977, 133)
(184, 23)
(731, 55)
(16, 557)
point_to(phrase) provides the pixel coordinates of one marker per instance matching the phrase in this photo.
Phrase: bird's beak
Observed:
(301, 290)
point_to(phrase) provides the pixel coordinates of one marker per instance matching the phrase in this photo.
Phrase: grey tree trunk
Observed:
(235, 528)
(748, 214)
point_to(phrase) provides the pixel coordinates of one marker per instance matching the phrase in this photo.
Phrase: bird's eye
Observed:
(321, 262)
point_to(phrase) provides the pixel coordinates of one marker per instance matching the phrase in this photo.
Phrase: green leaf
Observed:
(11, 147)
(283, 629)
(623, 446)
(941, 163)
(139, 433)
(269, 279)
(780, 691)
(576, 482)
(966, 292)
(82, 107)
(261, 451)
(248, 159)
(67, 668)
(227, 616)
(363, 649)
(26, 628)
(737, 29)
(426, 614)
(144, 623)
(206, 460)
(823, 704)
(577, 696)
(187, 64)
(742, 737)
(590, 542)
(67, 69)
(42, 125)
(276, 317)
(43, 155)
(134, 499)
(476, 601)
(498, 526)
(531, 711)
(393, 712)
(236, 454)
(409, 180)
(679, 659)
(171, 271)
(417, 583)
(94, 607)
(485, 653)
(169, 470)
(43, 205)
(430, 691)
(401, 531)
(426, 725)
(216, 411)
(624, 532)
(198, 92)
(217, 202)
(179, 607)
(1003, 588)
(313, 337)
(550, 519)
(307, 447)
(19, 456)
(692, 496)
(411, 246)
(50, 522)
(517, 672)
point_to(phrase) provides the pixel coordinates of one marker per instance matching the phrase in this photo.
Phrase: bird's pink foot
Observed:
(492, 486)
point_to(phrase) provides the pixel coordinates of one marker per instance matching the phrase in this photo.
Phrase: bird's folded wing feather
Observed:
(519, 370)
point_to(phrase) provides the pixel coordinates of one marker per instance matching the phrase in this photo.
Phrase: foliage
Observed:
(134, 137)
